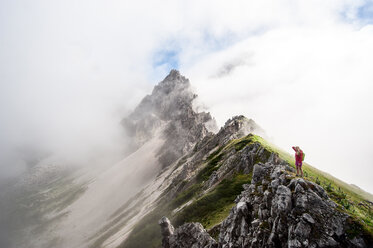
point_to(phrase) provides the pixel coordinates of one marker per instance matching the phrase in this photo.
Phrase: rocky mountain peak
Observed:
(173, 81)
(174, 85)
(237, 127)
(170, 98)
(169, 108)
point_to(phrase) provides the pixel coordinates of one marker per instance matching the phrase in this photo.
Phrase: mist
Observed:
(306, 87)
(70, 71)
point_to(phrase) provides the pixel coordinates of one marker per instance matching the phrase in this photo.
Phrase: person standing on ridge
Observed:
(299, 157)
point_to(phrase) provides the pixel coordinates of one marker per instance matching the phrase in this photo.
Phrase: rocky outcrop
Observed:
(169, 109)
(232, 160)
(167, 230)
(186, 236)
(241, 161)
(235, 128)
(278, 210)
(239, 126)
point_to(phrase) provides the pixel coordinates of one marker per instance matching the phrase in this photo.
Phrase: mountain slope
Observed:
(163, 127)
(176, 167)
(278, 210)
(97, 207)
(213, 174)
(333, 224)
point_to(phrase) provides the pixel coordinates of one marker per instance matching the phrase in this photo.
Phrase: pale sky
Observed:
(70, 70)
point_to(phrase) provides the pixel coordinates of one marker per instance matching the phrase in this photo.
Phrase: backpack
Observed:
(303, 155)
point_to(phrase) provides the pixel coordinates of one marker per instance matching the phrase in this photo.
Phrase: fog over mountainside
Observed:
(101, 135)
(70, 71)
(63, 205)
(168, 150)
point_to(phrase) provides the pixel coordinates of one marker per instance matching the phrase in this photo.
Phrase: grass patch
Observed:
(213, 207)
(212, 155)
(242, 143)
(186, 195)
(209, 210)
(212, 165)
(347, 196)
(146, 233)
(214, 159)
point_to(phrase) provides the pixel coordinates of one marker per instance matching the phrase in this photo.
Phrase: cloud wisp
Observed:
(70, 71)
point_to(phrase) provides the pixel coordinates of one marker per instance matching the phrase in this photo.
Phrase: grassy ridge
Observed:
(213, 207)
(316, 173)
(209, 209)
(348, 197)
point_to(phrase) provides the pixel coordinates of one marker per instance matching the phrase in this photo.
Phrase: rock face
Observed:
(169, 109)
(278, 210)
(186, 236)
(231, 162)
(167, 230)
(187, 146)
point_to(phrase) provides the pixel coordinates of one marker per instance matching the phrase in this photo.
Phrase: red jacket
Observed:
(298, 157)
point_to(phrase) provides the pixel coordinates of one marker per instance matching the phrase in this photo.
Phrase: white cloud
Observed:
(306, 86)
(69, 70)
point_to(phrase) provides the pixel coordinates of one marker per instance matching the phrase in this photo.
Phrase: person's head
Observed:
(297, 148)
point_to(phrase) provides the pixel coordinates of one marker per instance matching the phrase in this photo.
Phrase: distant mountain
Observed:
(169, 108)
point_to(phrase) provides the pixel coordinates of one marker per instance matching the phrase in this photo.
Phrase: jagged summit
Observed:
(243, 125)
(169, 108)
(175, 76)
(173, 82)
(169, 97)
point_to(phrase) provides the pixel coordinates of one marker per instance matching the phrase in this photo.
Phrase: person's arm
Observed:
(294, 148)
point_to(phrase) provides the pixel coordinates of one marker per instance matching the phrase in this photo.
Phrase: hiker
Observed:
(299, 156)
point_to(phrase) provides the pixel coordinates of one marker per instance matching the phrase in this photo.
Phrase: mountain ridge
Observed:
(221, 164)
(177, 167)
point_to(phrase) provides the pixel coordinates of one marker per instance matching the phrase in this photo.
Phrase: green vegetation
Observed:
(186, 195)
(242, 143)
(209, 209)
(211, 166)
(213, 207)
(348, 197)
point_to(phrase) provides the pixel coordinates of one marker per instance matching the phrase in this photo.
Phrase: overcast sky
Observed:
(70, 70)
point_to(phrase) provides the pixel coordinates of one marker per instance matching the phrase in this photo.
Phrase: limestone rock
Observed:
(285, 213)
(186, 236)
(166, 230)
(169, 108)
